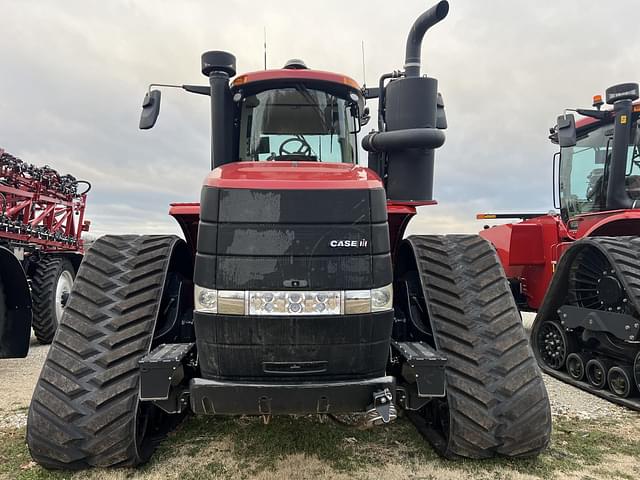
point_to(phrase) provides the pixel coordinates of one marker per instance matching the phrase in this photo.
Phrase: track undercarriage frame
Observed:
(586, 332)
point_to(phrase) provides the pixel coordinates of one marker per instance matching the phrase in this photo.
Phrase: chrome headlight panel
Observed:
(293, 302)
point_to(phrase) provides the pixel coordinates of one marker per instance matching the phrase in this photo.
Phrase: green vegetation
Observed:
(245, 447)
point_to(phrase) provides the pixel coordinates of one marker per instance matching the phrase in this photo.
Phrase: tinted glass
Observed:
(297, 123)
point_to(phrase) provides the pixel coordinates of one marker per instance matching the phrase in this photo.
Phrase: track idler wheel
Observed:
(575, 366)
(553, 345)
(621, 380)
(596, 372)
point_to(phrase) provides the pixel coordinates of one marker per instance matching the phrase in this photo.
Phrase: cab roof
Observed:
(295, 74)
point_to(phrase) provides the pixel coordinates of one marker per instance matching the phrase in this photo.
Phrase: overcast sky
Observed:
(73, 74)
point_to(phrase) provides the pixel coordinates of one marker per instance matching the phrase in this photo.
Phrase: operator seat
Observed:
(594, 189)
(632, 186)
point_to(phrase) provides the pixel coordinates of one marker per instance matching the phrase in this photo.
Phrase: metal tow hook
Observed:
(383, 405)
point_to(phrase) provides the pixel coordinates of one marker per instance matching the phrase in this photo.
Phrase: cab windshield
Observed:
(584, 169)
(298, 124)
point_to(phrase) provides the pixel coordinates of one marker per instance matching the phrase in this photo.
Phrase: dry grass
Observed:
(305, 448)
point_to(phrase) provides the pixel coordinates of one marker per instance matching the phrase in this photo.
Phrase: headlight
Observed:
(382, 298)
(294, 303)
(206, 299)
(357, 301)
(231, 302)
(297, 303)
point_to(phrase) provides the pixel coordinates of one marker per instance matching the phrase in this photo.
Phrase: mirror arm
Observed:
(199, 89)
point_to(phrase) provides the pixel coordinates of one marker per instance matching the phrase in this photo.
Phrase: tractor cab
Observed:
(600, 156)
(296, 114)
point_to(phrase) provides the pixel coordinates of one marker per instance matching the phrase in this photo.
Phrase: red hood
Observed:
(293, 176)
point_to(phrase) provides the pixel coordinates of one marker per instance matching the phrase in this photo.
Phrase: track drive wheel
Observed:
(85, 410)
(51, 284)
(553, 344)
(496, 401)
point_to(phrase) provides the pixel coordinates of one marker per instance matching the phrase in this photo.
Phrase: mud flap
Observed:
(15, 307)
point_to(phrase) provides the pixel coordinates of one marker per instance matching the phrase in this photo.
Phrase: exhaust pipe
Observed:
(414, 41)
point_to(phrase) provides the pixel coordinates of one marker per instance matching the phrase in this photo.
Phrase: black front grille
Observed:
(318, 239)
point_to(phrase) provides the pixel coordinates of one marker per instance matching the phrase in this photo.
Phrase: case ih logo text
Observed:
(348, 243)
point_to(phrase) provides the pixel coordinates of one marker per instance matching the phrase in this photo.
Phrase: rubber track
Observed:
(83, 408)
(497, 399)
(43, 285)
(624, 255)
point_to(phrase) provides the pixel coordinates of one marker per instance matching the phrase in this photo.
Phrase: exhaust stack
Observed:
(424, 22)
(411, 121)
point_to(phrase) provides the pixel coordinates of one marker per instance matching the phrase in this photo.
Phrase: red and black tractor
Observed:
(580, 269)
(293, 291)
(41, 224)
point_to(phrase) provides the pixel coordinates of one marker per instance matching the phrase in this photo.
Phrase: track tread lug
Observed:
(491, 373)
(83, 408)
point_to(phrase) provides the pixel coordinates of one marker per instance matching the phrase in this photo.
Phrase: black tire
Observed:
(3, 310)
(85, 409)
(44, 282)
(496, 401)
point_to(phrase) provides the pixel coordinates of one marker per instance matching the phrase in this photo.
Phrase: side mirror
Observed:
(365, 117)
(566, 129)
(150, 109)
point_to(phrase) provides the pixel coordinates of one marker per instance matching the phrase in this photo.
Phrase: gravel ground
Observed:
(18, 378)
(569, 401)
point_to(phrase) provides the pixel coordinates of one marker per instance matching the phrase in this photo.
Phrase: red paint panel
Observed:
(188, 216)
(526, 247)
(528, 251)
(500, 237)
(293, 176)
(179, 209)
(613, 222)
(398, 214)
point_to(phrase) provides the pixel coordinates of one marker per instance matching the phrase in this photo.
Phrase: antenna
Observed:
(364, 72)
(265, 48)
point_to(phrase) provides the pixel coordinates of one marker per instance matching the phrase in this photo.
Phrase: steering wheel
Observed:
(288, 147)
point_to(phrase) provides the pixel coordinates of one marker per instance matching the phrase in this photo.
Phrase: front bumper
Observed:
(215, 397)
